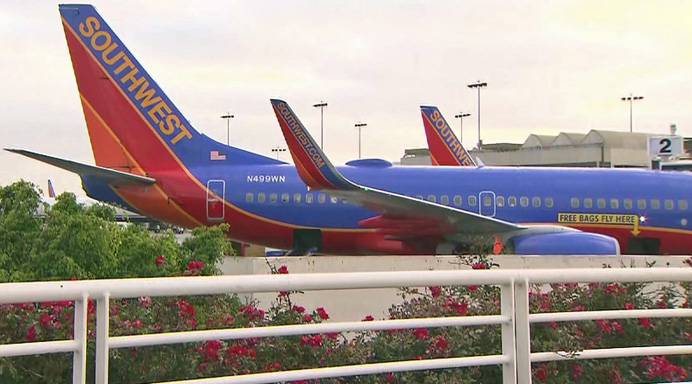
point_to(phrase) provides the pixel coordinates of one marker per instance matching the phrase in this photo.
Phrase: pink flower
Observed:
(159, 260)
(542, 373)
(420, 333)
(283, 270)
(186, 309)
(644, 322)
(298, 308)
(322, 313)
(307, 318)
(479, 265)
(137, 323)
(368, 318)
(629, 306)
(552, 324)
(605, 327)
(435, 291)
(617, 328)
(440, 343)
(144, 301)
(576, 371)
(311, 341)
(195, 266)
(45, 320)
(31, 333)
(211, 349)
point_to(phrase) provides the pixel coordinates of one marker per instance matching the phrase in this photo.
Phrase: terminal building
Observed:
(598, 148)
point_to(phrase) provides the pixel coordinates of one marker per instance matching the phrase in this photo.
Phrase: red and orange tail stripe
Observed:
(445, 148)
(313, 167)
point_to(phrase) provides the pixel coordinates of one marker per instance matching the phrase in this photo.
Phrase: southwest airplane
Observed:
(150, 160)
(118, 213)
(444, 146)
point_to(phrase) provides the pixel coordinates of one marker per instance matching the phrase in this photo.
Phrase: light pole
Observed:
(321, 106)
(479, 85)
(228, 118)
(359, 125)
(278, 150)
(631, 98)
(461, 116)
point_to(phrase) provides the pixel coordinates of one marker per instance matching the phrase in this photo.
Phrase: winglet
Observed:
(51, 191)
(445, 148)
(313, 166)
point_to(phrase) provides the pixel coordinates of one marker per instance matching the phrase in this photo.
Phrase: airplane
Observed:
(148, 157)
(121, 215)
(444, 146)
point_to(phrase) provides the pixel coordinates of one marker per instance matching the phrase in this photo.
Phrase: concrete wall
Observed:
(356, 304)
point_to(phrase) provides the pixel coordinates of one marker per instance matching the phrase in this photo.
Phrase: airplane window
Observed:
(627, 203)
(419, 197)
(487, 200)
(614, 203)
(260, 197)
(575, 202)
(248, 197)
(273, 197)
(431, 198)
(641, 203)
(297, 197)
(500, 200)
(536, 201)
(524, 201)
(682, 205)
(472, 200)
(588, 202)
(444, 199)
(308, 198)
(668, 204)
(285, 198)
(601, 203)
(457, 200)
(655, 203)
(321, 198)
(549, 202)
(512, 201)
(334, 199)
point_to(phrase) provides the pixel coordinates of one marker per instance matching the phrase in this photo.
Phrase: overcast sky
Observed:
(551, 67)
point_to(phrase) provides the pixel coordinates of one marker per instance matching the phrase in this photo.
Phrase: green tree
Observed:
(20, 226)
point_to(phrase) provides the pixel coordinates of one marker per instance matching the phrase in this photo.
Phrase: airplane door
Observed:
(486, 203)
(216, 192)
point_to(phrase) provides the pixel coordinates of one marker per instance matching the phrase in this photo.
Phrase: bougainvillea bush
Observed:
(135, 252)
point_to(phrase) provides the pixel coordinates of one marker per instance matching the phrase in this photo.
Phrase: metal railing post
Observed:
(79, 356)
(102, 332)
(509, 371)
(522, 331)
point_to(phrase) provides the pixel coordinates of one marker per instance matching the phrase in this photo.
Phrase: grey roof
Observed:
(616, 139)
(535, 141)
(566, 138)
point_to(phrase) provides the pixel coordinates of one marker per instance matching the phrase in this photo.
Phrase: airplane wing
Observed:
(113, 177)
(444, 146)
(394, 208)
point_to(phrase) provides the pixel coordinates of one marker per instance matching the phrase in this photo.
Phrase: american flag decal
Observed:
(217, 155)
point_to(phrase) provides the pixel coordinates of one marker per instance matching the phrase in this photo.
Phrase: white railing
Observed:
(514, 317)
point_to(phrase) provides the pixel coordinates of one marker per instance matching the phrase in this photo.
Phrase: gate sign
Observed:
(665, 146)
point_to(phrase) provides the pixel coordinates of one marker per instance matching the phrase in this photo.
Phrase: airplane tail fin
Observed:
(445, 148)
(51, 191)
(313, 166)
(133, 126)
